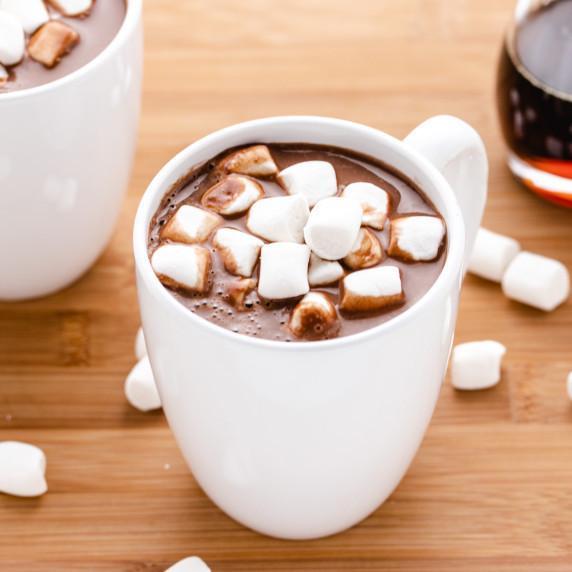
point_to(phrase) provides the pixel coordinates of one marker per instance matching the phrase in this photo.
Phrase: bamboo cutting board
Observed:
(491, 486)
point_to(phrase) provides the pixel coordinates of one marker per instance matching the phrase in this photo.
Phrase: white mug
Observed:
(65, 161)
(303, 440)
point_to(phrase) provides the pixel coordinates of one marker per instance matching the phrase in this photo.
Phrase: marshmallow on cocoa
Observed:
(538, 281)
(237, 292)
(476, 365)
(234, 195)
(374, 202)
(366, 251)
(140, 388)
(491, 254)
(314, 317)
(72, 7)
(372, 289)
(22, 469)
(190, 225)
(416, 237)
(51, 42)
(332, 227)
(182, 266)
(30, 13)
(283, 270)
(239, 250)
(315, 180)
(12, 39)
(323, 272)
(279, 219)
(255, 161)
(3, 75)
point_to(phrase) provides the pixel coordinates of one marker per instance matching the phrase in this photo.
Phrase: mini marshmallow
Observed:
(315, 180)
(255, 161)
(416, 237)
(51, 42)
(372, 289)
(537, 281)
(22, 469)
(238, 291)
(72, 7)
(314, 317)
(3, 75)
(140, 388)
(12, 40)
(140, 345)
(232, 196)
(189, 564)
(239, 250)
(279, 219)
(491, 254)
(283, 270)
(569, 385)
(190, 225)
(374, 202)
(476, 365)
(366, 251)
(30, 13)
(323, 272)
(332, 227)
(182, 266)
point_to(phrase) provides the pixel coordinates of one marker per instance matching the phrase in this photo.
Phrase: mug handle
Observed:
(458, 152)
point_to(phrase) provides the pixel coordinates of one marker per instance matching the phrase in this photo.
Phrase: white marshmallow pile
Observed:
(22, 469)
(476, 365)
(311, 236)
(26, 25)
(189, 564)
(531, 279)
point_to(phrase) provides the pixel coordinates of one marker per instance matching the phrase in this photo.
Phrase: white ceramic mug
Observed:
(65, 161)
(302, 440)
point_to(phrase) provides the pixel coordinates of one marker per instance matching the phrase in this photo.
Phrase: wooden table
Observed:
(491, 486)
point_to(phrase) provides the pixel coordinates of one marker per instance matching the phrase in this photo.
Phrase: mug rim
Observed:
(451, 271)
(132, 17)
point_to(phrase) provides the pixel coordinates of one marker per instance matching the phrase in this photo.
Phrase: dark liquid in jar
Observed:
(534, 91)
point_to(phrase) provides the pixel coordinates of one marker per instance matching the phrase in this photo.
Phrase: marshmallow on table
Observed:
(323, 272)
(189, 564)
(314, 317)
(372, 289)
(237, 292)
(416, 237)
(140, 388)
(140, 345)
(476, 365)
(239, 250)
(569, 385)
(190, 225)
(279, 219)
(283, 270)
(22, 469)
(234, 195)
(72, 7)
(332, 227)
(374, 202)
(315, 180)
(365, 252)
(12, 40)
(182, 266)
(51, 42)
(536, 280)
(491, 254)
(30, 13)
(255, 161)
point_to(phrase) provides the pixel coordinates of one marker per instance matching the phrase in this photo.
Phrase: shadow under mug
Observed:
(65, 160)
(303, 440)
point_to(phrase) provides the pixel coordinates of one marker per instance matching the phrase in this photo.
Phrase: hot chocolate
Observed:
(46, 40)
(296, 242)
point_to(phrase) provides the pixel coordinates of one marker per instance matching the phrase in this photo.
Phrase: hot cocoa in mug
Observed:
(305, 438)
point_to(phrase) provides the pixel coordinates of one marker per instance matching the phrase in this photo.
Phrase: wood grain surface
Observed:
(491, 486)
